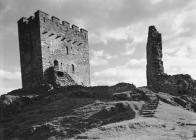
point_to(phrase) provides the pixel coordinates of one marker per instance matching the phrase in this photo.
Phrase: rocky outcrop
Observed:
(179, 84)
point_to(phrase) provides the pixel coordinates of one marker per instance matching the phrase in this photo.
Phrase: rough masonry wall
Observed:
(66, 45)
(154, 56)
(52, 52)
(30, 52)
(159, 81)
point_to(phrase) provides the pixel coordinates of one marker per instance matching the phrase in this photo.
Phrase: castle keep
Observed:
(52, 52)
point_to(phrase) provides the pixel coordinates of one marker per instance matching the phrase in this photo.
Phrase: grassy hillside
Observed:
(170, 123)
(96, 113)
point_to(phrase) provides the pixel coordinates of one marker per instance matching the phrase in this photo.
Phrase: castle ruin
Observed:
(52, 52)
(157, 80)
(154, 57)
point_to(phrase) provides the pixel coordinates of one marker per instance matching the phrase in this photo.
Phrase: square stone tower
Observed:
(52, 52)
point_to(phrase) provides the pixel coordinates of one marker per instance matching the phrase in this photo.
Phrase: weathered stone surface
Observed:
(154, 56)
(52, 52)
(159, 81)
(122, 96)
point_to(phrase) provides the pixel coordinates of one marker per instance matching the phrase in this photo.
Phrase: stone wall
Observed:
(30, 52)
(68, 45)
(55, 45)
(154, 56)
(159, 81)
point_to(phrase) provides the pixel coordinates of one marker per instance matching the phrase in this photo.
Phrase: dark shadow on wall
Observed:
(58, 78)
(49, 76)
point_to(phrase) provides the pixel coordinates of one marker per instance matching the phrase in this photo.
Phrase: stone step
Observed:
(150, 111)
(152, 98)
(152, 102)
(151, 95)
(149, 108)
(151, 105)
(147, 113)
(143, 115)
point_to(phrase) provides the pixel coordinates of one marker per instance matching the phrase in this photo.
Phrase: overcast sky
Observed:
(117, 36)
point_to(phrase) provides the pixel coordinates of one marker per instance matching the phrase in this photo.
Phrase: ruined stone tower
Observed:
(154, 57)
(52, 52)
(159, 81)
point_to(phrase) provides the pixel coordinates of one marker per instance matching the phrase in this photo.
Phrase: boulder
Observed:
(122, 96)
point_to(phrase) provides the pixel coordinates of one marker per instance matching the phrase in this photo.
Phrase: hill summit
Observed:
(122, 111)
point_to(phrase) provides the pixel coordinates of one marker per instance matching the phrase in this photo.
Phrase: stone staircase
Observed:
(65, 79)
(149, 108)
(68, 79)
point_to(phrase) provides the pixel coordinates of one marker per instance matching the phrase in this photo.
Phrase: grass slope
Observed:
(170, 123)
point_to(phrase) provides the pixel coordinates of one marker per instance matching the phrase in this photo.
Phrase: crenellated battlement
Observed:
(53, 21)
(23, 20)
(41, 13)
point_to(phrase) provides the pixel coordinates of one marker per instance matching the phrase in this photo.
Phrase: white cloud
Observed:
(7, 79)
(99, 58)
(81, 23)
(155, 1)
(131, 72)
(130, 49)
(179, 49)
(10, 75)
(134, 32)
(6, 90)
(183, 60)
(114, 75)
(115, 34)
(136, 62)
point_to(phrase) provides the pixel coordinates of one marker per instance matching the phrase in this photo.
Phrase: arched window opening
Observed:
(61, 66)
(67, 51)
(60, 74)
(72, 67)
(56, 64)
